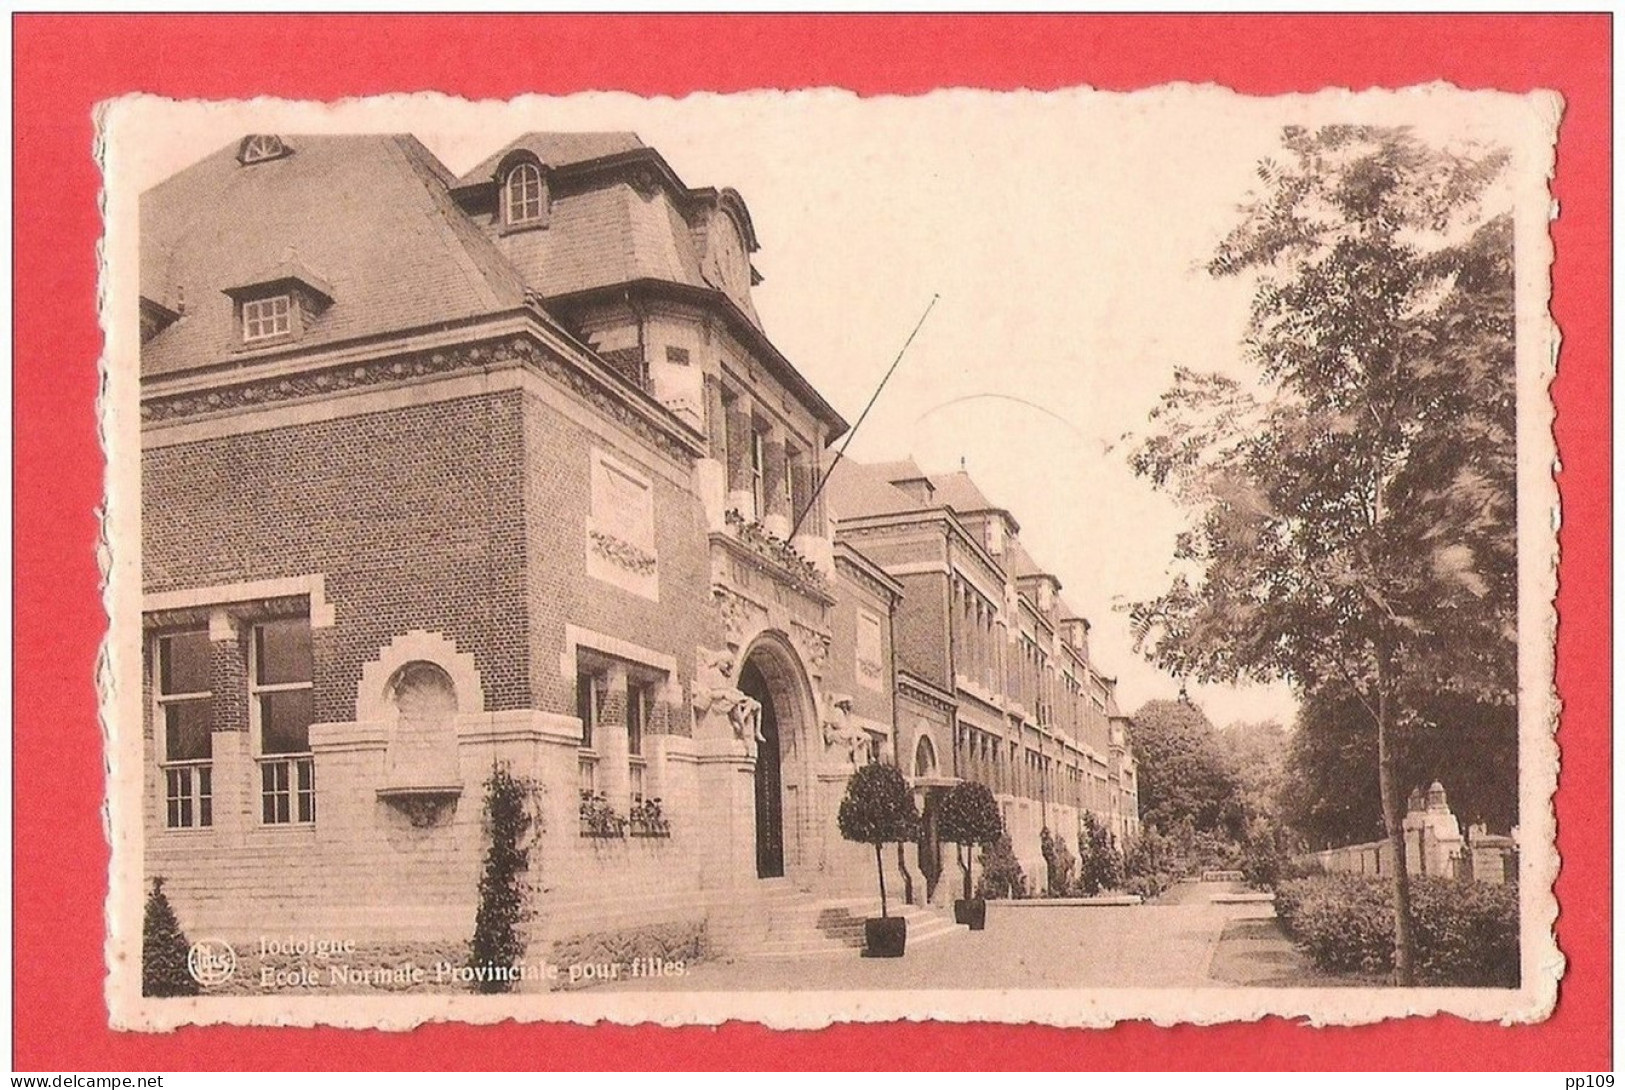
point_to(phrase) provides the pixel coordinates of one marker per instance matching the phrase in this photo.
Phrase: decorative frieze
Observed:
(789, 563)
(273, 389)
(624, 554)
(813, 645)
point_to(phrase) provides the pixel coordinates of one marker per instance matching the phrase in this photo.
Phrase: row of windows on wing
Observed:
(1007, 768)
(281, 707)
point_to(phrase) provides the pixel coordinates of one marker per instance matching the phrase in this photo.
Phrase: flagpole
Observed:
(839, 454)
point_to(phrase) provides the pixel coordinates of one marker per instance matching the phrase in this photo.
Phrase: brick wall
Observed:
(413, 515)
(921, 626)
(464, 518)
(557, 501)
(851, 596)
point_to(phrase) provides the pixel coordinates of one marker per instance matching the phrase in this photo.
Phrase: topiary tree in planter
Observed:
(164, 948)
(879, 809)
(504, 908)
(970, 817)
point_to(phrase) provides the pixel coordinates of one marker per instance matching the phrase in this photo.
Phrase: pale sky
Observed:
(1065, 234)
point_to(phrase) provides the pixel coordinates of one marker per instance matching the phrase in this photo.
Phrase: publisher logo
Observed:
(211, 962)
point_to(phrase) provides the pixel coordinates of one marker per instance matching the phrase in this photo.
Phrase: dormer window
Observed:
(267, 318)
(259, 148)
(522, 195)
(280, 303)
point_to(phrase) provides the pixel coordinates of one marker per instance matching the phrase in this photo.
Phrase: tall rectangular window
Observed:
(758, 465)
(589, 706)
(790, 458)
(282, 701)
(639, 702)
(185, 720)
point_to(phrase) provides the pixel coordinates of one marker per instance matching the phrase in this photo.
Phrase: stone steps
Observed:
(811, 928)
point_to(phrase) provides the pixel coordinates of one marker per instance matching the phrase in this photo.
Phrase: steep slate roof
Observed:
(1019, 562)
(856, 490)
(958, 491)
(369, 215)
(609, 229)
(603, 237)
(610, 233)
(556, 149)
(906, 470)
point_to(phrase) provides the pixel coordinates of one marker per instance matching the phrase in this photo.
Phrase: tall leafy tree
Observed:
(1352, 496)
(1183, 774)
(1330, 793)
(1256, 755)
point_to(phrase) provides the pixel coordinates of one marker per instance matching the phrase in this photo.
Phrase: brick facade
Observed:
(521, 512)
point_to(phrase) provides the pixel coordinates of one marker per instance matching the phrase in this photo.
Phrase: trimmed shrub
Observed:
(1466, 932)
(969, 816)
(1261, 864)
(1148, 864)
(1002, 876)
(1344, 923)
(504, 908)
(163, 948)
(1058, 863)
(1101, 866)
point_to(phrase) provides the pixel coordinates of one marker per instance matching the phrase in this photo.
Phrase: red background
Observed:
(63, 65)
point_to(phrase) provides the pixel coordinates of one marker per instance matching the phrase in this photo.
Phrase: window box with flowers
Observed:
(599, 819)
(647, 820)
(774, 549)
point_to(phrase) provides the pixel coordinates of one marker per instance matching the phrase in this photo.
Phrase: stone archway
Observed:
(925, 756)
(771, 673)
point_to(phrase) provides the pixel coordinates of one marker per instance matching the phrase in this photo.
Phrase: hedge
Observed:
(1466, 932)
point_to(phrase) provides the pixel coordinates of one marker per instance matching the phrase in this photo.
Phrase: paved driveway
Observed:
(1137, 946)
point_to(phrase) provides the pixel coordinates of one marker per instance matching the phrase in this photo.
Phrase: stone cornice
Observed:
(601, 391)
(867, 572)
(924, 692)
(777, 571)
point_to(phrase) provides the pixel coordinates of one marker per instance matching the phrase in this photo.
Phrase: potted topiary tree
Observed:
(969, 818)
(878, 809)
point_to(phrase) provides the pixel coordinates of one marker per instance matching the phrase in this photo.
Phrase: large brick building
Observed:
(980, 622)
(442, 472)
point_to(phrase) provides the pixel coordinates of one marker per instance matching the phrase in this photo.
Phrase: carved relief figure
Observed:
(716, 696)
(840, 732)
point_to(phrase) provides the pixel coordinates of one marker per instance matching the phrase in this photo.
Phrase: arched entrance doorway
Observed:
(771, 676)
(930, 843)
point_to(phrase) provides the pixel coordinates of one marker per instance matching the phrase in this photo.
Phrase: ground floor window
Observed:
(189, 796)
(185, 723)
(288, 791)
(282, 707)
(639, 704)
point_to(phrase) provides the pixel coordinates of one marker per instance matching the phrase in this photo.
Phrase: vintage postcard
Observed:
(1059, 557)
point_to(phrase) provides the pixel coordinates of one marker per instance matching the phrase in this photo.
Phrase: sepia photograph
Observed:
(1048, 557)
